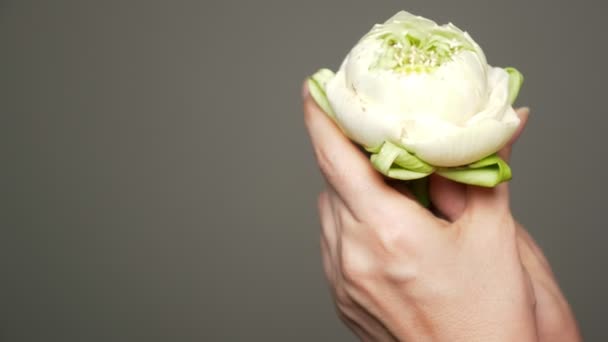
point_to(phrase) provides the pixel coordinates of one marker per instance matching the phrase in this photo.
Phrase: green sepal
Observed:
(516, 79)
(374, 149)
(487, 172)
(395, 162)
(317, 84)
(403, 174)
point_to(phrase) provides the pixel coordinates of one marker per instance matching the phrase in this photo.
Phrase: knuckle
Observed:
(399, 249)
(343, 301)
(327, 263)
(393, 238)
(355, 265)
(328, 238)
(328, 222)
(351, 273)
(505, 228)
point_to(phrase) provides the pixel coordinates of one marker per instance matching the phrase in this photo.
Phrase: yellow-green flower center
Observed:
(415, 52)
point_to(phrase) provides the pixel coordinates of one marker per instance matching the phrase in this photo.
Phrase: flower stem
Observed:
(420, 190)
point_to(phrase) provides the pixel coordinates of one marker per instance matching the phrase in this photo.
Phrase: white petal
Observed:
(406, 17)
(454, 92)
(498, 98)
(465, 145)
(441, 144)
(453, 116)
(362, 121)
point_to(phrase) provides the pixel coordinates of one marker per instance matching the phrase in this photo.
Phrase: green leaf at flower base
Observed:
(375, 150)
(516, 79)
(395, 162)
(316, 86)
(487, 172)
(403, 174)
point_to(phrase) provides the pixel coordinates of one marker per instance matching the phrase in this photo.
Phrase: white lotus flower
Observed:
(426, 93)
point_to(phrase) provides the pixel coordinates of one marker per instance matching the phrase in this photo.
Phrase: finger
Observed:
(327, 209)
(484, 200)
(328, 237)
(355, 327)
(448, 197)
(344, 166)
(342, 222)
(326, 214)
(337, 291)
(523, 114)
(487, 202)
(330, 230)
(358, 318)
(328, 268)
(531, 249)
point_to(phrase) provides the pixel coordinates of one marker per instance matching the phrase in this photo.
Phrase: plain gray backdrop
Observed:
(158, 184)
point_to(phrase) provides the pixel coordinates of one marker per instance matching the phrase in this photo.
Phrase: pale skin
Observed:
(468, 271)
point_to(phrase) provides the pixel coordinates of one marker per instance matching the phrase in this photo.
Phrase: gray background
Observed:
(158, 184)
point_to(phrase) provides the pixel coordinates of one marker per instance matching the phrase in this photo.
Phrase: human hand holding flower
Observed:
(400, 273)
(422, 100)
(555, 321)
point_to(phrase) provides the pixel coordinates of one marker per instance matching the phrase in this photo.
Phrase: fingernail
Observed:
(524, 110)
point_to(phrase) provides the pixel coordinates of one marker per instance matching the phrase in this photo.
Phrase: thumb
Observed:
(450, 198)
(495, 200)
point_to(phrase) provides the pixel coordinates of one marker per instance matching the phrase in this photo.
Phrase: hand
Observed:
(398, 272)
(555, 321)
